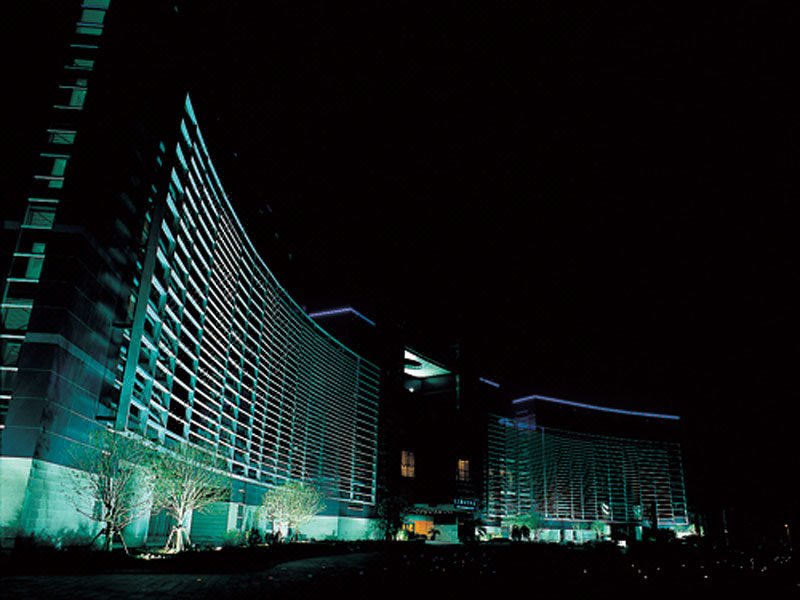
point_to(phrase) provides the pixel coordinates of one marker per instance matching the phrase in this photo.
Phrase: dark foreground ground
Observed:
(401, 570)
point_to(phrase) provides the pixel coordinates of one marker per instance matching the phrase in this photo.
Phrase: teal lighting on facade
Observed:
(135, 299)
(219, 355)
(572, 477)
(20, 289)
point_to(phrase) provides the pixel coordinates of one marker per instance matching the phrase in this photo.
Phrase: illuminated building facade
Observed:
(133, 298)
(221, 356)
(549, 459)
(435, 443)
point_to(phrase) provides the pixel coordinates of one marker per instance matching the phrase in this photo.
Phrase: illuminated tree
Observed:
(599, 528)
(187, 480)
(292, 504)
(533, 521)
(113, 482)
(390, 514)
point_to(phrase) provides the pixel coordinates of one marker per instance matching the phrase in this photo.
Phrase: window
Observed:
(91, 22)
(59, 166)
(61, 136)
(25, 267)
(77, 97)
(407, 466)
(8, 377)
(33, 268)
(94, 17)
(40, 217)
(56, 166)
(462, 472)
(82, 64)
(11, 352)
(72, 97)
(16, 318)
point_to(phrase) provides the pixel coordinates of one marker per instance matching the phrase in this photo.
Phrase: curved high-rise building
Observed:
(218, 353)
(134, 299)
(583, 469)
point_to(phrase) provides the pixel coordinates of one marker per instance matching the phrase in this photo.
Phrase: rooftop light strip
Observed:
(341, 311)
(607, 409)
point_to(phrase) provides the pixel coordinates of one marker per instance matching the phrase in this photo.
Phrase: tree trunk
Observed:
(179, 539)
(122, 539)
(169, 540)
(175, 540)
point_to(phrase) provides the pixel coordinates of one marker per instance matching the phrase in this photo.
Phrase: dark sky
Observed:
(600, 202)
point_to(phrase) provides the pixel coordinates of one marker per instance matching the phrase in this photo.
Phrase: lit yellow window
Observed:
(407, 464)
(462, 473)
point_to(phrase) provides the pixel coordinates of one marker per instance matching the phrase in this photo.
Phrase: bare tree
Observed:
(292, 504)
(186, 480)
(113, 483)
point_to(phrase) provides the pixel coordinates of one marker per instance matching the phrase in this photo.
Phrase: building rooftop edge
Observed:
(608, 409)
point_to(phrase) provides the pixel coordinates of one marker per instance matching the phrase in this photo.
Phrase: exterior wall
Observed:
(355, 528)
(40, 502)
(14, 475)
(222, 357)
(579, 478)
(47, 506)
(447, 533)
(552, 536)
(321, 528)
(55, 342)
(60, 301)
(37, 500)
(210, 525)
(340, 528)
(55, 345)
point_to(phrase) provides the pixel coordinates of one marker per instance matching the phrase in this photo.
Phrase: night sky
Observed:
(598, 202)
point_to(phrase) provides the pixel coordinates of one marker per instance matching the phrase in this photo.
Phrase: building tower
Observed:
(135, 300)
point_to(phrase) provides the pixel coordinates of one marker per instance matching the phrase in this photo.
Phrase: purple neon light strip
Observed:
(341, 311)
(489, 382)
(618, 411)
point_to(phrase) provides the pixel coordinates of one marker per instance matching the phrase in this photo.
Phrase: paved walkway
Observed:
(429, 574)
(301, 578)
